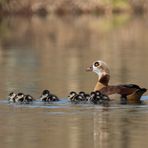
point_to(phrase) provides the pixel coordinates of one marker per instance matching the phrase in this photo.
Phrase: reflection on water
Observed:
(75, 126)
(52, 52)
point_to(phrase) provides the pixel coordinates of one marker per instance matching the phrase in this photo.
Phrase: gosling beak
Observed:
(89, 68)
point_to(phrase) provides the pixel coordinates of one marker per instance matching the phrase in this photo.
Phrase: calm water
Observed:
(52, 53)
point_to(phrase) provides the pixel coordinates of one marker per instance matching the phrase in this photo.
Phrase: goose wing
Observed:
(123, 89)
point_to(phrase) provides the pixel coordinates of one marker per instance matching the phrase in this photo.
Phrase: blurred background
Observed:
(47, 44)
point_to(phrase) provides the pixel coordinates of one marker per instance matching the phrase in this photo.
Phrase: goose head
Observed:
(101, 69)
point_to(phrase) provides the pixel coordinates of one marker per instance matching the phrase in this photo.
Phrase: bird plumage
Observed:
(129, 92)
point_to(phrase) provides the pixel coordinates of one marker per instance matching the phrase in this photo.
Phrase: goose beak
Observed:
(89, 68)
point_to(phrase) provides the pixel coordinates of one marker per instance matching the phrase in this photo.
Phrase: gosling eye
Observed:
(96, 64)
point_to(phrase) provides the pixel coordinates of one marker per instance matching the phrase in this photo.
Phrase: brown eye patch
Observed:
(96, 64)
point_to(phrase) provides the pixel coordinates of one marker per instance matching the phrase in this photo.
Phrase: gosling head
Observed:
(12, 97)
(45, 92)
(102, 70)
(72, 94)
(82, 93)
(44, 96)
(28, 99)
(19, 97)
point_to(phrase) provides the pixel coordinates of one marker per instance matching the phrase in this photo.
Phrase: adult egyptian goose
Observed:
(130, 93)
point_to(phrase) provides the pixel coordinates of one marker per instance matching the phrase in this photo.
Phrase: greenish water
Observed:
(52, 53)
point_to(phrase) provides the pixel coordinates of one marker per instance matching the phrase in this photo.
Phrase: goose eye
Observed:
(96, 64)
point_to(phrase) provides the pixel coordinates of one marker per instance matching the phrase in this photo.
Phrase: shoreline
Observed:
(70, 8)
